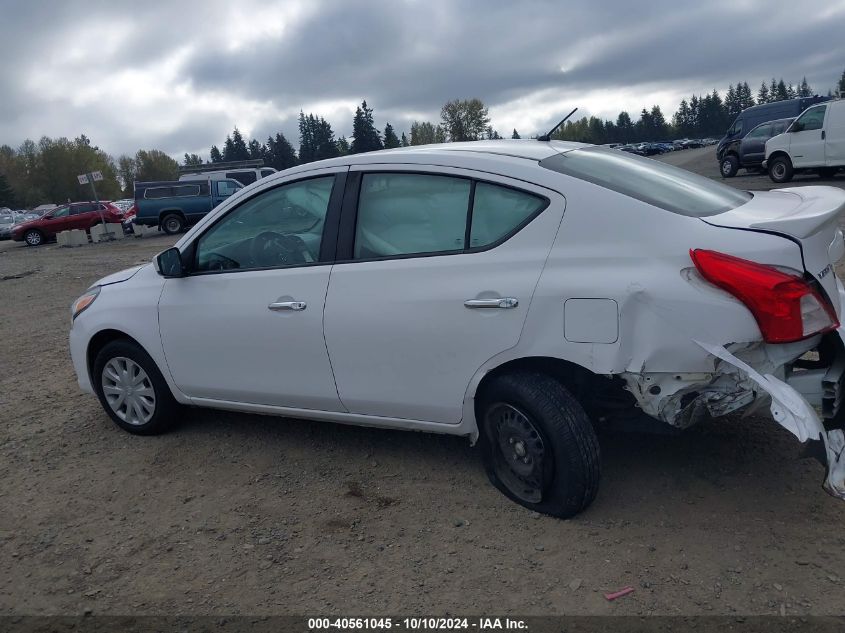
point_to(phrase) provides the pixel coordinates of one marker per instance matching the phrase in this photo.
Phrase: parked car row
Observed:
(661, 147)
(10, 218)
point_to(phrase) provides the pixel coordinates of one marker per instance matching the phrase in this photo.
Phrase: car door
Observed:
(753, 146)
(436, 269)
(59, 220)
(246, 324)
(834, 130)
(806, 138)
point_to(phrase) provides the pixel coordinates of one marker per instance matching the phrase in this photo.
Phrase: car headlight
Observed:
(84, 301)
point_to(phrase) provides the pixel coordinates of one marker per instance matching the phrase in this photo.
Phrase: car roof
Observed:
(450, 153)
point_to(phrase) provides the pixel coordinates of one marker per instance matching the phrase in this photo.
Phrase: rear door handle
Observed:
(280, 306)
(499, 302)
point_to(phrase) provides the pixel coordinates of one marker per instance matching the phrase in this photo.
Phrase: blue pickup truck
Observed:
(175, 205)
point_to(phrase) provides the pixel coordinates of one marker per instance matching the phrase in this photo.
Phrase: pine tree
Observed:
(256, 150)
(307, 147)
(763, 94)
(192, 160)
(515, 134)
(342, 146)
(804, 89)
(280, 153)
(791, 92)
(840, 88)
(390, 139)
(228, 149)
(366, 136)
(239, 148)
(215, 155)
(7, 195)
(405, 142)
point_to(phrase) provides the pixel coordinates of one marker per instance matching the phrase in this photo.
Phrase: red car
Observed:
(77, 215)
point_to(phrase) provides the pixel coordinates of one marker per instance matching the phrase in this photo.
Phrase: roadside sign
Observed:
(83, 179)
(97, 175)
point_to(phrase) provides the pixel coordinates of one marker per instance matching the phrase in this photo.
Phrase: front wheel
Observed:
(729, 166)
(173, 224)
(780, 169)
(132, 390)
(538, 445)
(33, 238)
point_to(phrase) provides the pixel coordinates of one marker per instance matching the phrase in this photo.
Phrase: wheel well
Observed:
(167, 212)
(779, 154)
(100, 340)
(599, 395)
(730, 153)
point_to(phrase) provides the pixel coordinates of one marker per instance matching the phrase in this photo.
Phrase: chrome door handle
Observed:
(500, 302)
(279, 306)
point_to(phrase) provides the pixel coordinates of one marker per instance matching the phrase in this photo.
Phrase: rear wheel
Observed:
(729, 166)
(33, 238)
(173, 223)
(132, 390)
(780, 169)
(538, 446)
(827, 172)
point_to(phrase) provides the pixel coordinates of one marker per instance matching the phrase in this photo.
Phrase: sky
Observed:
(179, 75)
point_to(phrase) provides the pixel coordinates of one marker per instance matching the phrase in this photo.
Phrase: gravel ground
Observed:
(233, 513)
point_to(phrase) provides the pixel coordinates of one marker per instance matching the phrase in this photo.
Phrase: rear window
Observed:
(648, 180)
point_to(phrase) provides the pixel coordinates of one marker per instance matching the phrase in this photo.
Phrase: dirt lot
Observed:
(244, 514)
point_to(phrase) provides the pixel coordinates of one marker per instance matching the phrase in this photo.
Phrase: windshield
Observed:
(648, 180)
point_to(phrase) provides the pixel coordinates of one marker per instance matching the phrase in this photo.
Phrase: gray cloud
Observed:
(179, 76)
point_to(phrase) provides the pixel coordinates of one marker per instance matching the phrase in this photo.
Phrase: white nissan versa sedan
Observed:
(514, 292)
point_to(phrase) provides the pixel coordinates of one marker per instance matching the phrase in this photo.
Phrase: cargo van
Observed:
(815, 141)
(245, 172)
(763, 113)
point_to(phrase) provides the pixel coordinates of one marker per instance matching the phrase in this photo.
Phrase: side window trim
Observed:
(328, 242)
(349, 216)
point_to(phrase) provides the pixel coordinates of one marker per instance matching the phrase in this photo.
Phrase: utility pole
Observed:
(89, 178)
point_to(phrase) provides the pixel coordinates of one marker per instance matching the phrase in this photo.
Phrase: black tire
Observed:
(780, 169)
(165, 410)
(559, 441)
(172, 224)
(33, 238)
(827, 172)
(729, 166)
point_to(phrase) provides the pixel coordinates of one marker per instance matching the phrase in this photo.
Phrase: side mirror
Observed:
(168, 263)
(796, 127)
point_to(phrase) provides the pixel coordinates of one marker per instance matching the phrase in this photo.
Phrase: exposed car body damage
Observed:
(792, 411)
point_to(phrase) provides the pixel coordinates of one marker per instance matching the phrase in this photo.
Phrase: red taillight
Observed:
(786, 307)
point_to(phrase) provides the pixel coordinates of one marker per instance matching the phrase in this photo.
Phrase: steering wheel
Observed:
(274, 249)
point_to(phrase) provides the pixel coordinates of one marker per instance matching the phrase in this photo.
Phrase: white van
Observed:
(244, 175)
(815, 141)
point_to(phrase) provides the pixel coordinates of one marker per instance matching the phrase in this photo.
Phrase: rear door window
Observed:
(498, 211)
(648, 180)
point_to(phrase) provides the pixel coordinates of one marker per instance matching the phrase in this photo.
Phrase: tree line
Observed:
(696, 117)
(46, 171)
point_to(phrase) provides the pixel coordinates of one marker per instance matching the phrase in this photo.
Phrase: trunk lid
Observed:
(807, 215)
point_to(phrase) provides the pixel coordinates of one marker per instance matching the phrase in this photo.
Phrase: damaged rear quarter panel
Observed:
(611, 246)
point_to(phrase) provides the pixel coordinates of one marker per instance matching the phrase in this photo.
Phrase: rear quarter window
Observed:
(648, 180)
(154, 193)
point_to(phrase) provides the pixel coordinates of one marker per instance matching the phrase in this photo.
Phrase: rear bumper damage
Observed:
(750, 377)
(794, 413)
